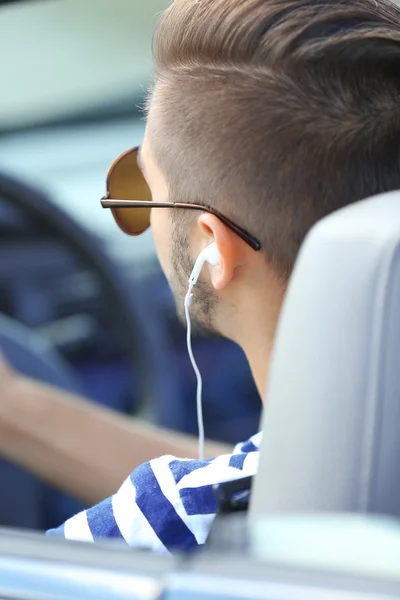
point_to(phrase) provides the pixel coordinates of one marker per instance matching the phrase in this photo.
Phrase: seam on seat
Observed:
(372, 421)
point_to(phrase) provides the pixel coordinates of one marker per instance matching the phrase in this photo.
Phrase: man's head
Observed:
(276, 113)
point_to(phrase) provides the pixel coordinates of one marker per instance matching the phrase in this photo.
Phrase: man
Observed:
(274, 113)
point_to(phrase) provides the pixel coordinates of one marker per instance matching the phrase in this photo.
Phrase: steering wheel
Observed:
(142, 339)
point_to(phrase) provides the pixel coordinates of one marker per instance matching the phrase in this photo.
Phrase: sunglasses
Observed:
(129, 198)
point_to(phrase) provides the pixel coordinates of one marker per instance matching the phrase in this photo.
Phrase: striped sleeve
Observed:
(252, 445)
(166, 504)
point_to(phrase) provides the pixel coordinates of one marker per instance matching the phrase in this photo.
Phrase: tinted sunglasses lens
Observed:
(126, 182)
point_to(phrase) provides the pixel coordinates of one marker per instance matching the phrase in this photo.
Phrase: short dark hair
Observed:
(278, 112)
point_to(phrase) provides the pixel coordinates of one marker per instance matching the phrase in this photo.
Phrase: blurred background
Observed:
(72, 286)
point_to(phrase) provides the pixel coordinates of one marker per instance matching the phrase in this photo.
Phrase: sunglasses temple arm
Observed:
(107, 203)
(249, 239)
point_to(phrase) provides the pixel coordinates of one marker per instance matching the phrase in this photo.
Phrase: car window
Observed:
(67, 58)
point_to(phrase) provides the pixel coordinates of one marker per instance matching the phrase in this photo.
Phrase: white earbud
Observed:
(210, 254)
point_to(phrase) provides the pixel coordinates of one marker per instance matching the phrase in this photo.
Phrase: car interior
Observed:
(333, 532)
(321, 519)
(67, 275)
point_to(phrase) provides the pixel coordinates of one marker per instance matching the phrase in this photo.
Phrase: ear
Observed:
(232, 249)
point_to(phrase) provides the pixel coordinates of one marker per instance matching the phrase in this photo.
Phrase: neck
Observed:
(258, 350)
(256, 333)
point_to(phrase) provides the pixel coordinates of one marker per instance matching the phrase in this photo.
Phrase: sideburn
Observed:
(204, 297)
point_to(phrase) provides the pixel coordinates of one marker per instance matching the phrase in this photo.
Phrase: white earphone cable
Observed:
(198, 375)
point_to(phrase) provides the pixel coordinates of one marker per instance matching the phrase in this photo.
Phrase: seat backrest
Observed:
(332, 418)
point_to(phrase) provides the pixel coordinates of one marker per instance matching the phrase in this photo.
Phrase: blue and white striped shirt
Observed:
(166, 504)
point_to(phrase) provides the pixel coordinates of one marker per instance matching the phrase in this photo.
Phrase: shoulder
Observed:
(177, 495)
(165, 504)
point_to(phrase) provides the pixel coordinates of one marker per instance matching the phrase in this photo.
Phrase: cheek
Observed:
(161, 229)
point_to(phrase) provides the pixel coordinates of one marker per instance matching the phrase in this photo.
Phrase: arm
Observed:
(77, 446)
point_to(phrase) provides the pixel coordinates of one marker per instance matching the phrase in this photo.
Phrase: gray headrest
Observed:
(332, 418)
